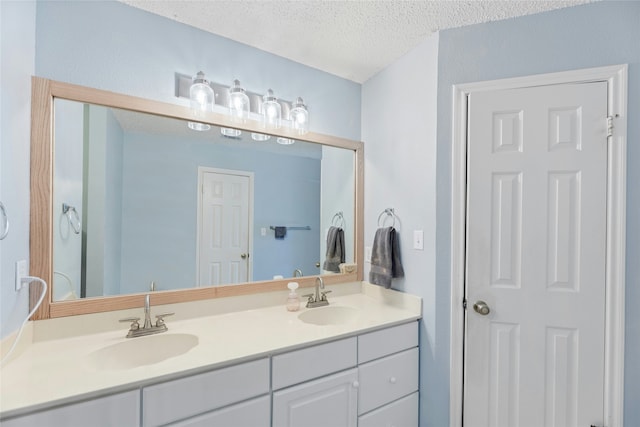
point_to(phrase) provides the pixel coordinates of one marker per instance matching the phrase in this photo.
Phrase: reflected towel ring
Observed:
(338, 220)
(5, 221)
(389, 212)
(72, 217)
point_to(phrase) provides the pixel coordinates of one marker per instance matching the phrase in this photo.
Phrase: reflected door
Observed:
(224, 227)
(535, 285)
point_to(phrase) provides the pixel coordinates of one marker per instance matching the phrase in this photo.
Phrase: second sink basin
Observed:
(331, 315)
(142, 351)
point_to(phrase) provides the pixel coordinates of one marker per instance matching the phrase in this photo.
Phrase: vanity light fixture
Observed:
(242, 105)
(201, 96)
(238, 108)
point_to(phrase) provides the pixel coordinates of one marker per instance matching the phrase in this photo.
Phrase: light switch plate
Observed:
(418, 240)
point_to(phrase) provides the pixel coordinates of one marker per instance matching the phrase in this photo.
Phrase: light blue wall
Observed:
(160, 177)
(17, 52)
(109, 45)
(598, 34)
(399, 129)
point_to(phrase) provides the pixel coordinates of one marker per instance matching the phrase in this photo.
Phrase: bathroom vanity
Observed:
(353, 363)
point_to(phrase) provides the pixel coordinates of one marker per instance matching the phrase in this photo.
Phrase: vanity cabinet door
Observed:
(253, 413)
(329, 401)
(122, 410)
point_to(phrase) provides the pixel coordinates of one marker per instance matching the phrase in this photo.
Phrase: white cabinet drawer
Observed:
(194, 395)
(401, 413)
(121, 409)
(387, 379)
(313, 362)
(375, 345)
(252, 413)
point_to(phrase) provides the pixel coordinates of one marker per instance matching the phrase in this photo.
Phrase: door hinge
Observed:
(464, 304)
(609, 126)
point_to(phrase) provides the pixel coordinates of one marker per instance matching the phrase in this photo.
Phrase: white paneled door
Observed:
(535, 272)
(224, 227)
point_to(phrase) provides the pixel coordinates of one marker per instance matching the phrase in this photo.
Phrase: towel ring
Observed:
(338, 220)
(72, 217)
(388, 212)
(5, 221)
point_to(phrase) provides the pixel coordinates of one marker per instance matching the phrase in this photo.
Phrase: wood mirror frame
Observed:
(41, 223)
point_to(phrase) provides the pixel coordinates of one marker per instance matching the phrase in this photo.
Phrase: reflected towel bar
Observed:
(306, 227)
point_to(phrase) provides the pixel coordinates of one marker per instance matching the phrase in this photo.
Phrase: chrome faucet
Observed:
(148, 328)
(297, 273)
(318, 299)
(147, 311)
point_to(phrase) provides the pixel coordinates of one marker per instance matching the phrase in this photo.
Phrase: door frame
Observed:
(616, 77)
(206, 169)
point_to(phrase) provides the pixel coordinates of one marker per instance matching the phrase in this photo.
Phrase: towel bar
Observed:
(306, 227)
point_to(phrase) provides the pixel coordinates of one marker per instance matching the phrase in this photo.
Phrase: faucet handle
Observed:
(134, 322)
(324, 295)
(160, 318)
(310, 296)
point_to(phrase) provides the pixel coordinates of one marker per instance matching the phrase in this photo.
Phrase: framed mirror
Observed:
(127, 200)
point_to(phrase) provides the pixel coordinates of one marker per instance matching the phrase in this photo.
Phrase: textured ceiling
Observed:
(351, 39)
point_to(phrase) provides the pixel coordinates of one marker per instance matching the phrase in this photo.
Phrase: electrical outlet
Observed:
(21, 271)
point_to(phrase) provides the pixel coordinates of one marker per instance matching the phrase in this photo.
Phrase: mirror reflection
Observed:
(142, 201)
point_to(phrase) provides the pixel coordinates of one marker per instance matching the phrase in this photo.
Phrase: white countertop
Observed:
(54, 367)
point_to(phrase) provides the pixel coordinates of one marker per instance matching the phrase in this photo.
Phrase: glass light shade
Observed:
(201, 96)
(260, 136)
(271, 110)
(299, 116)
(238, 108)
(238, 102)
(285, 141)
(231, 132)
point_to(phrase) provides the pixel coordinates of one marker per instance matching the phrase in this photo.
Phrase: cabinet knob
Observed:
(355, 384)
(392, 380)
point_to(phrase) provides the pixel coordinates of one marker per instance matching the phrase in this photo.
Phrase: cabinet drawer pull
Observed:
(393, 380)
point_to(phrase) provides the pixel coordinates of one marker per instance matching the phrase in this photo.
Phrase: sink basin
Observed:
(142, 351)
(329, 315)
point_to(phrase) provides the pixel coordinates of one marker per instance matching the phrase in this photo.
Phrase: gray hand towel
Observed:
(335, 249)
(385, 257)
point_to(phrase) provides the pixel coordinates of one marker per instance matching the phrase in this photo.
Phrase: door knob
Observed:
(481, 307)
(243, 256)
